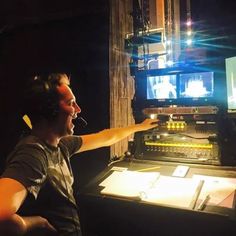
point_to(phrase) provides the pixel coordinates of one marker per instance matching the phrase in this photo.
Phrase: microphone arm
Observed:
(82, 122)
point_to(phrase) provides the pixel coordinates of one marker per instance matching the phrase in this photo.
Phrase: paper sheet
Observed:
(173, 191)
(128, 183)
(220, 189)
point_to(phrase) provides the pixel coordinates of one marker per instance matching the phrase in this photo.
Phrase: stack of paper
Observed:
(151, 187)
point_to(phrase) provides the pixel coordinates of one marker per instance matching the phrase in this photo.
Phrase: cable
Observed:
(189, 136)
(61, 161)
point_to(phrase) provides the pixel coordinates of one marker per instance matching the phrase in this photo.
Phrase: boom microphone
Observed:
(82, 122)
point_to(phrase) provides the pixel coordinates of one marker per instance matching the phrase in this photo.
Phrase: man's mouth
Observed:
(74, 116)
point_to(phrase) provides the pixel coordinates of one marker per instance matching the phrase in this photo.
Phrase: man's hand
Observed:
(27, 226)
(147, 124)
(38, 226)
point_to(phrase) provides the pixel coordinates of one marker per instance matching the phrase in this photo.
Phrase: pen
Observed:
(196, 194)
(150, 168)
(202, 205)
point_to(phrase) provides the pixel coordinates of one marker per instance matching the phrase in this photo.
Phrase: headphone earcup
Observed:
(50, 104)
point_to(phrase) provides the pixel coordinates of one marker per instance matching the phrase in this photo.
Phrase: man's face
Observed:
(68, 110)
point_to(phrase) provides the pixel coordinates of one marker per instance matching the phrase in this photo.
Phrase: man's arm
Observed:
(12, 195)
(110, 136)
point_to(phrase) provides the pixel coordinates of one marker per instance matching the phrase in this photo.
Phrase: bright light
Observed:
(189, 32)
(169, 51)
(153, 116)
(189, 42)
(189, 23)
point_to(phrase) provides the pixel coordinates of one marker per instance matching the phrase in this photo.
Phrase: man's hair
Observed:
(41, 98)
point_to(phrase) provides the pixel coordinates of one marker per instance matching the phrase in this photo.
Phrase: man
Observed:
(36, 196)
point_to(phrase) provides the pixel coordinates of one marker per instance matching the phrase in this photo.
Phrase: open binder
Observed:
(187, 193)
(152, 187)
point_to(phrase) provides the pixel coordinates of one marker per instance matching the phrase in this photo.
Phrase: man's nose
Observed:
(77, 108)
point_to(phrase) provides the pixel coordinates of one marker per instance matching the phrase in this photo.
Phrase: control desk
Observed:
(176, 179)
(111, 214)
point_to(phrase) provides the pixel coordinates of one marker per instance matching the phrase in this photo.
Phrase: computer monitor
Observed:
(161, 87)
(196, 85)
(230, 66)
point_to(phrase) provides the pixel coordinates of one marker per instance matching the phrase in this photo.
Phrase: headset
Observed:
(41, 99)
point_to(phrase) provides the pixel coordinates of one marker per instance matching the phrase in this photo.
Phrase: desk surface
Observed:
(112, 215)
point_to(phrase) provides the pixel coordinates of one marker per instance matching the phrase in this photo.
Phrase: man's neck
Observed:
(46, 134)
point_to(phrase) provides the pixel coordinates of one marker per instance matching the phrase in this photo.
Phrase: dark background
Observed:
(213, 25)
(56, 36)
(73, 36)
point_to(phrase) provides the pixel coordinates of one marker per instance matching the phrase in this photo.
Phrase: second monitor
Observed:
(196, 85)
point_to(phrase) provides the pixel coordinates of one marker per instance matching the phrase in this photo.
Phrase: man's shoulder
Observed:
(70, 139)
(30, 142)
(72, 143)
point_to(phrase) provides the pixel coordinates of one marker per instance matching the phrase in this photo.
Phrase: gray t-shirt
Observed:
(46, 173)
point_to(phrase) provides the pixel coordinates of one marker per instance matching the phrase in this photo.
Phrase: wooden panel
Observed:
(121, 83)
(160, 13)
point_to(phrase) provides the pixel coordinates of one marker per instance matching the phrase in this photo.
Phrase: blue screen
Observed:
(196, 85)
(161, 87)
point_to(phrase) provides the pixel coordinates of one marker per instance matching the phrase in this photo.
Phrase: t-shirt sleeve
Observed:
(28, 165)
(72, 143)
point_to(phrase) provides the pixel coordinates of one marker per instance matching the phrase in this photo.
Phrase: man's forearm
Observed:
(114, 135)
(108, 137)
